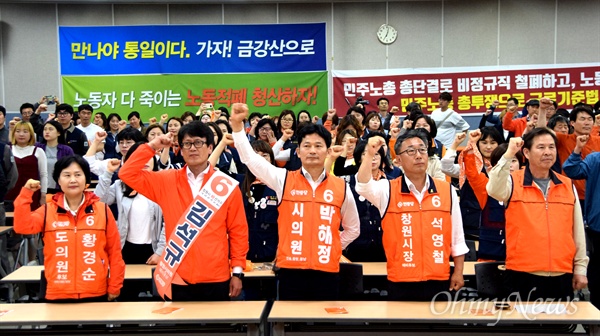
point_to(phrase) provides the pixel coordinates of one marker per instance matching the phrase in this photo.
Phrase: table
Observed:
(420, 313)
(247, 312)
(27, 274)
(380, 268)
(144, 272)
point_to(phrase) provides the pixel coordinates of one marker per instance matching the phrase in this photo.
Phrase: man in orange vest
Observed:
(545, 240)
(312, 204)
(421, 222)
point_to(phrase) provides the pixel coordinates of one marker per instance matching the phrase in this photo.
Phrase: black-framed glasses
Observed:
(197, 143)
(413, 152)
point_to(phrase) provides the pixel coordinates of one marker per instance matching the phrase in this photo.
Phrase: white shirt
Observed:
(73, 212)
(447, 130)
(280, 153)
(274, 178)
(140, 215)
(195, 181)
(448, 166)
(378, 193)
(90, 131)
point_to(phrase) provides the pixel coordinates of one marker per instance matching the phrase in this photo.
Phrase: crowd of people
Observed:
(201, 194)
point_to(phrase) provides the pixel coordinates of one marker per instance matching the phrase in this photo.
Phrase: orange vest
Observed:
(309, 223)
(417, 238)
(75, 252)
(539, 232)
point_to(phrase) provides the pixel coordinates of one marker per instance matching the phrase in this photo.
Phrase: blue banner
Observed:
(192, 49)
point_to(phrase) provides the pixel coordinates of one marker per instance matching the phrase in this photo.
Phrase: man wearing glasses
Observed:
(202, 237)
(74, 137)
(421, 222)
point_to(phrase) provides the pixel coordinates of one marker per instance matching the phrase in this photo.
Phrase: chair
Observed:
(154, 290)
(43, 286)
(351, 281)
(490, 280)
(40, 255)
(472, 255)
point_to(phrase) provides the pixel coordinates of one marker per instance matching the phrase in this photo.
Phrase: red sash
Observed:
(200, 212)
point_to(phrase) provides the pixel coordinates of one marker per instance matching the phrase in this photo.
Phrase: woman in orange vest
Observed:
(475, 159)
(82, 248)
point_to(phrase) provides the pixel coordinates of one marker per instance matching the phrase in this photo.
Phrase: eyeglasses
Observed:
(62, 113)
(27, 113)
(265, 129)
(413, 152)
(287, 119)
(198, 144)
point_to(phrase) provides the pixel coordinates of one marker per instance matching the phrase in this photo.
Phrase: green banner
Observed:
(153, 95)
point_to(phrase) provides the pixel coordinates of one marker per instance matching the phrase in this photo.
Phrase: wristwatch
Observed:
(238, 275)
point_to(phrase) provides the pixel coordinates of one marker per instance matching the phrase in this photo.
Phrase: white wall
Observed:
(432, 33)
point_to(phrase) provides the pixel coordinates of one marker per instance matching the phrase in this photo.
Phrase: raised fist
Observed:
(33, 185)
(582, 140)
(239, 112)
(545, 103)
(227, 139)
(374, 144)
(42, 108)
(287, 134)
(474, 136)
(162, 141)
(113, 164)
(336, 151)
(514, 145)
(100, 136)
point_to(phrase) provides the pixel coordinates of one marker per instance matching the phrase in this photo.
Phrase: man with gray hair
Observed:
(421, 222)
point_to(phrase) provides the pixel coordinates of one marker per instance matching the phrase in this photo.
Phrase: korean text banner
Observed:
(473, 89)
(153, 95)
(177, 49)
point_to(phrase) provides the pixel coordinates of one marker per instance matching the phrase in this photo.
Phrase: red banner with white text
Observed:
(472, 88)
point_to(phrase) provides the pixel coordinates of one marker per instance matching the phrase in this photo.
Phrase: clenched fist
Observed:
(33, 185)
